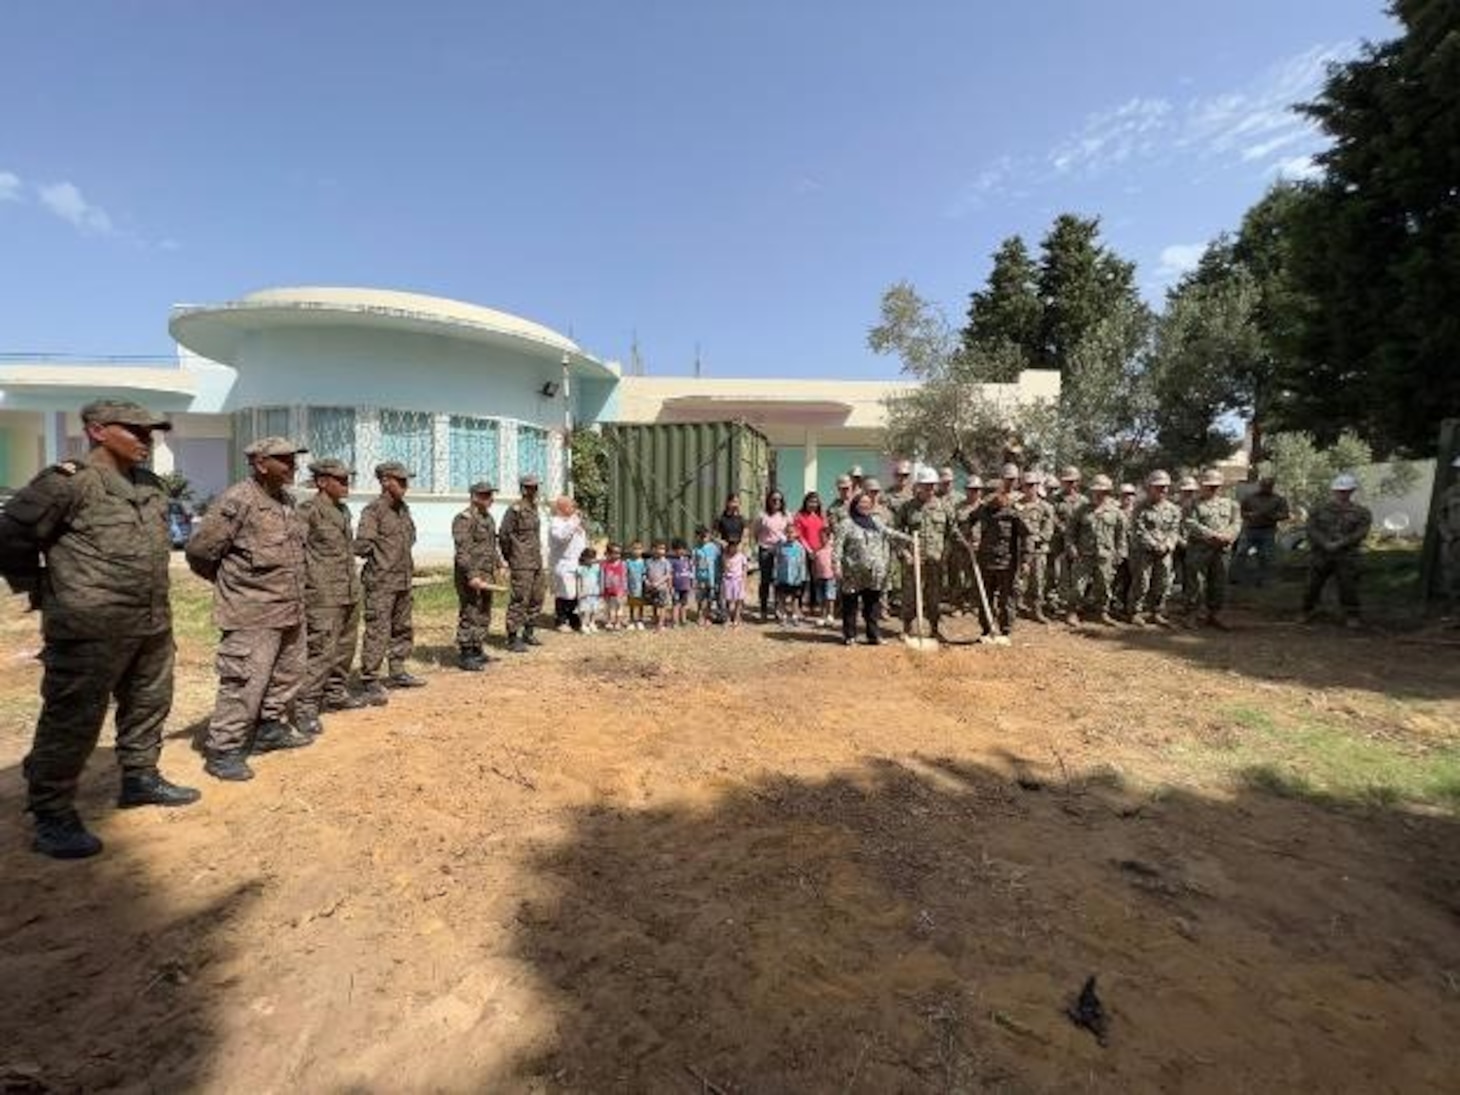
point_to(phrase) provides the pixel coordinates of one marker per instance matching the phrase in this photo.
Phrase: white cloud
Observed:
(66, 201)
(1178, 259)
(9, 186)
(1298, 169)
(1112, 137)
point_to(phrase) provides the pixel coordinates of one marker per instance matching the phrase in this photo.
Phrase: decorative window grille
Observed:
(407, 436)
(331, 433)
(532, 452)
(474, 444)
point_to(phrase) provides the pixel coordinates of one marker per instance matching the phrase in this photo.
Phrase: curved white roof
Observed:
(216, 330)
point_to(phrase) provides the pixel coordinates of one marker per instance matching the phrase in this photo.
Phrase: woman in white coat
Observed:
(566, 540)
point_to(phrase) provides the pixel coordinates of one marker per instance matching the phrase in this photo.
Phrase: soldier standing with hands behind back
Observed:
(521, 542)
(384, 539)
(331, 597)
(250, 545)
(101, 524)
(478, 559)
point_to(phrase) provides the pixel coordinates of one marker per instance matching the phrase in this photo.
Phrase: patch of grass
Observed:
(1252, 718)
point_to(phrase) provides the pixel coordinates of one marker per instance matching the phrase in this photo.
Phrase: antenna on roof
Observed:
(636, 362)
(698, 366)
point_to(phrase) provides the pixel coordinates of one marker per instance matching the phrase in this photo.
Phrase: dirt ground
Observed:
(761, 862)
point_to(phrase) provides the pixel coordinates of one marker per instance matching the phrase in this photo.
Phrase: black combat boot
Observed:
(62, 836)
(469, 660)
(308, 722)
(273, 735)
(230, 766)
(374, 694)
(401, 679)
(515, 644)
(529, 638)
(345, 701)
(150, 788)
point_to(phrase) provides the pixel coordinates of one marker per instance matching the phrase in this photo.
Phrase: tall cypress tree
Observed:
(1001, 338)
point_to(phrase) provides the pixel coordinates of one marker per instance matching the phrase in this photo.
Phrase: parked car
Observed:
(179, 523)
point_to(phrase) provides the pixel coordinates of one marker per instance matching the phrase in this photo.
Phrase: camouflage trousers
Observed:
(525, 599)
(960, 590)
(331, 632)
(81, 678)
(1030, 593)
(1095, 577)
(473, 615)
(390, 634)
(1000, 583)
(1062, 580)
(260, 670)
(1150, 583)
(1345, 568)
(932, 594)
(1205, 584)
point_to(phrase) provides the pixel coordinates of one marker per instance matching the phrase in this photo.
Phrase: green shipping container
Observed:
(666, 478)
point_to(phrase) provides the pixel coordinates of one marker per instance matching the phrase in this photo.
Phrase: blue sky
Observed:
(748, 176)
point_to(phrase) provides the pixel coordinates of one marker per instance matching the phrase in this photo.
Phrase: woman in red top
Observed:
(810, 524)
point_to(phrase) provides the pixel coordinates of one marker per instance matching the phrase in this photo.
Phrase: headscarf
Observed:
(862, 520)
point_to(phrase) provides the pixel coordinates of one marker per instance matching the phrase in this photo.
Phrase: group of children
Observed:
(634, 589)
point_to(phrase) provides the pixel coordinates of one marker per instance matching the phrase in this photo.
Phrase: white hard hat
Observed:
(1345, 482)
(926, 477)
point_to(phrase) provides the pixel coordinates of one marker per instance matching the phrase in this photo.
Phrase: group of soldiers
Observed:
(1037, 545)
(87, 540)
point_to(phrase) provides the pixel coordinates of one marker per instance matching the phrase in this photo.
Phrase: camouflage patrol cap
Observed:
(483, 487)
(855, 471)
(870, 484)
(1212, 478)
(904, 467)
(1011, 471)
(973, 482)
(274, 446)
(1070, 473)
(1188, 483)
(1102, 482)
(393, 469)
(1051, 482)
(945, 475)
(336, 469)
(1159, 478)
(122, 412)
(843, 481)
(1032, 479)
(527, 481)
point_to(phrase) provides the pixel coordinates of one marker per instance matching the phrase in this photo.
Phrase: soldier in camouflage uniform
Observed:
(997, 539)
(1122, 566)
(962, 592)
(1062, 550)
(890, 504)
(944, 494)
(872, 487)
(1211, 527)
(927, 516)
(1097, 533)
(101, 525)
(478, 558)
(1038, 518)
(1337, 530)
(1185, 499)
(250, 545)
(331, 597)
(520, 539)
(1155, 526)
(1262, 512)
(1449, 529)
(386, 535)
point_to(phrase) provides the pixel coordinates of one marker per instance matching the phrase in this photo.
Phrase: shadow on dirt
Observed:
(924, 927)
(101, 967)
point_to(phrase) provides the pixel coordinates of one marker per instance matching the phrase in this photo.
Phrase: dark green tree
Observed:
(1001, 338)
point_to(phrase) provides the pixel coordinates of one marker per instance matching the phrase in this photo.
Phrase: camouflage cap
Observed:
(945, 475)
(973, 482)
(393, 469)
(904, 467)
(274, 446)
(1102, 482)
(1127, 488)
(855, 471)
(1159, 478)
(1188, 483)
(1069, 473)
(1011, 471)
(1051, 482)
(871, 484)
(331, 467)
(843, 481)
(483, 487)
(1212, 478)
(122, 412)
(1032, 479)
(527, 481)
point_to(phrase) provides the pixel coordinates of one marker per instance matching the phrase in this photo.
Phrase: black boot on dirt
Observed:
(309, 723)
(515, 643)
(374, 694)
(231, 767)
(529, 637)
(345, 702)
(150, 788)
(274, 735)
(469, 661)
(402, 679)
(63, 836)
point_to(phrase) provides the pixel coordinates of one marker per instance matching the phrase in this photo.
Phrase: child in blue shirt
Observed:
(682, 574)
(707, 575)
(791, 571)
(634, 570)
(659, 584)
(590, 587)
